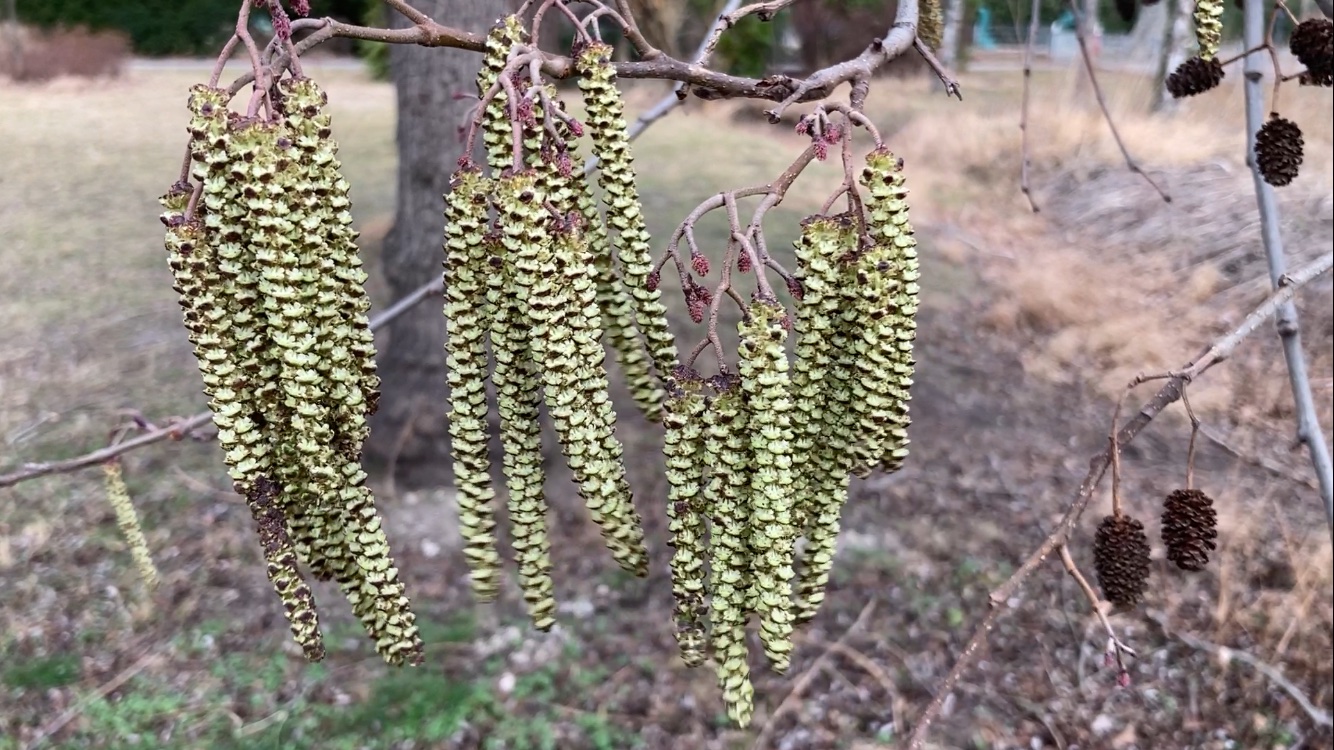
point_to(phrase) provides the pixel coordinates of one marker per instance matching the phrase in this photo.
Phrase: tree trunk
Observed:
(1176, 41)
(409, 434)
(951, 39)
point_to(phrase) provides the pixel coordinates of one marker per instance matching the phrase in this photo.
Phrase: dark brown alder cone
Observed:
(1278, 150)
(1194, 76)
(1121, 559)
(1190, 526)
(1312, 43)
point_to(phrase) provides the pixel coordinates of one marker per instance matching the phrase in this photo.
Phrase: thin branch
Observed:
(1084, 53)
(179, 430)
(1317, 714)
(1289, 329)
(899, 40)
(729, 16)
(950, 83)
(804, 681)
(999, 599)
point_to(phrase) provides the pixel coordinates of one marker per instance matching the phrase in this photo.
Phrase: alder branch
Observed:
(1317, 714)
(704, 82)
(1289, 328)
(999, 599)
(180, 429)
(731, 15)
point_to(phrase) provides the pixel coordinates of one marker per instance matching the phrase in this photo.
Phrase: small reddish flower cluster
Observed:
(698, 299)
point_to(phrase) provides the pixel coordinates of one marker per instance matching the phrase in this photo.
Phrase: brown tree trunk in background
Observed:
(409, 431)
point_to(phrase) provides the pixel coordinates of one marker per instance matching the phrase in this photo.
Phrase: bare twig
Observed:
(1289, 329)
(1131, 164)
(1258, 460)
(946, 78)
(1317, 714)
(803, 682)
(1095, 604)
(179, 430)
(705, 83)
(730, 15)
(999, 599)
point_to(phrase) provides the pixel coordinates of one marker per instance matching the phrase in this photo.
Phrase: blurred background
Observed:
(1032, 323)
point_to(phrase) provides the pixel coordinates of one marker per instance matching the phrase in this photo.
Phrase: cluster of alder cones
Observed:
(1278, 144)
(1121, 548)
(757, 458)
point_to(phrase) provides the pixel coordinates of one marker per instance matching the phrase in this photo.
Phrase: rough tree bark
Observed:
(409, 431)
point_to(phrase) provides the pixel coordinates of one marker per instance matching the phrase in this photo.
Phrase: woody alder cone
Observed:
(1194, 76)
(1312, 43)
(1189, 528)
(1121, 559)
(1278, 150)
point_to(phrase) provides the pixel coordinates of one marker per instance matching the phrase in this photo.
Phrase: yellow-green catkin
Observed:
(1209, 27)
(773, 533)
(533, 240)
(624, 212)
(727, 457)
(515, 373)
(821, 391)
(467, 211)
(683, 449)
(338, 301)
(618, 311)
(280, 562)
(931, 24)
(890, 301)
(212, 320)
(128, 521)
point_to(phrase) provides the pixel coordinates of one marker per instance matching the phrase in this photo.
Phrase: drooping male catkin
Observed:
(772, 533)
(467, 212)
(683, 450)
(888, 285)
(128, 520)
(727, 497)
(532, 240)
(624, 212)
(822, 424)
(931, 23)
